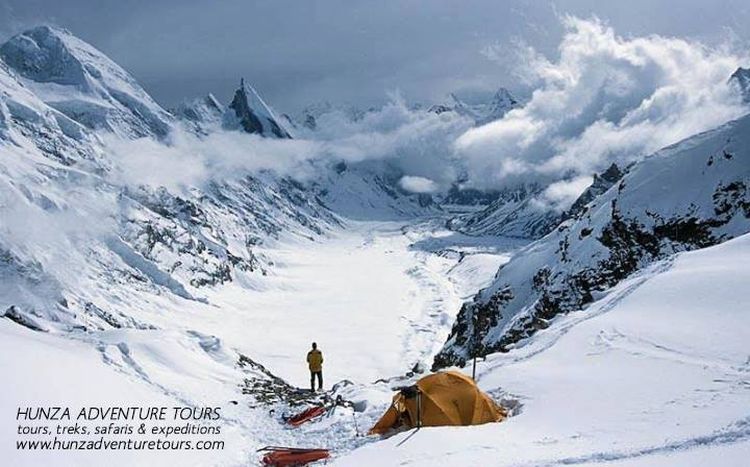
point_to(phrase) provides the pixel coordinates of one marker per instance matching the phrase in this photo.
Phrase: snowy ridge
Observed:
(81, 82)
(55, 178)
(203, 114)
(601, 183)
(501, 103)
(690, 195)
(519, 212)
(513, 212)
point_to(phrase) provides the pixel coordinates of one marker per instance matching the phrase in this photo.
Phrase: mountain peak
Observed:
(80, 81)
(250, 113)
(481, 112)
(503, 97)
(502, 102)
(201, 112)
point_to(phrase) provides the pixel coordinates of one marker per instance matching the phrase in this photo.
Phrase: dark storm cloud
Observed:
(306, 51)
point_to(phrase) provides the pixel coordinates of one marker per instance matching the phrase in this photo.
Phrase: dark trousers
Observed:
(313, 375)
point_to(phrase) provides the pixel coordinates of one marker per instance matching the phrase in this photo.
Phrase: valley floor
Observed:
(655, 373)
(378, 297)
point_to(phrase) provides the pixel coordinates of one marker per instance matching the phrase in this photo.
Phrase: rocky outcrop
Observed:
(249, 113)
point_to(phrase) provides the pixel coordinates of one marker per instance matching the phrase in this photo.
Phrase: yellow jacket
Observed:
(315, 360)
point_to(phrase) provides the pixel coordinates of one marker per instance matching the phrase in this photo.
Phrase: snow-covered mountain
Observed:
(76, 79)
(482, 112)
(310, 115)
(502, 102)
(521, 212)
(249, 112)
(58, 173)
(202, 113)
(58, 176)
(690, 195)
(513, 212)
(370, 190)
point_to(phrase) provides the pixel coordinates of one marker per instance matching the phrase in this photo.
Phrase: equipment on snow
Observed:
(328, 408)
(306, 415)
(279, 456)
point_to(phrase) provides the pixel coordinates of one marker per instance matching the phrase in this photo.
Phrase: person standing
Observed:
(315, 362)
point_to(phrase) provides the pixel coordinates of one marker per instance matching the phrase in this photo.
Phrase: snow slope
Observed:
(27, 122)
(690, 195)
(655, 373)
(203, 114)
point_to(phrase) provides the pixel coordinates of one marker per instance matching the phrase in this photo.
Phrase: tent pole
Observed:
(419, 409)
(474, 344)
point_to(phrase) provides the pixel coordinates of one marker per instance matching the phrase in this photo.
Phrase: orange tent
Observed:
(446, 398)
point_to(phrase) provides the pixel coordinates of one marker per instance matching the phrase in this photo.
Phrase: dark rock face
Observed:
(471, 327)
(250, 119)
(22, 319)
(250, 122)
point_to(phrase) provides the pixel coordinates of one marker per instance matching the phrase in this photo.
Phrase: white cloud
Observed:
(605, 98)
(417, 184)
(416, 142)
(558, 196)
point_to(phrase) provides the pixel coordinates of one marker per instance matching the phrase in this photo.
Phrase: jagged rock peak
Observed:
(250, 113)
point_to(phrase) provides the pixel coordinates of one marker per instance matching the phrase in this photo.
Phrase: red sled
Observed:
(286, 457)
(306, 415)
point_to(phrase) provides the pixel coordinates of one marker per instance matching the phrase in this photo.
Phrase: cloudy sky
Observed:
(350, 51)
